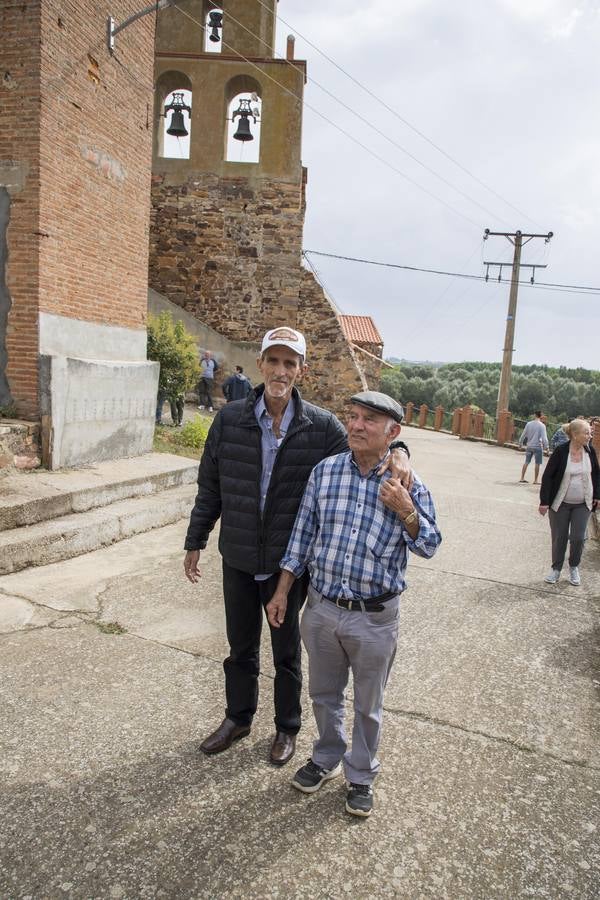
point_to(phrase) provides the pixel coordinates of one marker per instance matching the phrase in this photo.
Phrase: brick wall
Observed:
(20, 172)
(228, 250)
(78, 122)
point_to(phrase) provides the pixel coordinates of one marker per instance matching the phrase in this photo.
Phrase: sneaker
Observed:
(359, 800)
(201, 406)
(574, 575)
(310, 777)
(552, 576)
(210, 409)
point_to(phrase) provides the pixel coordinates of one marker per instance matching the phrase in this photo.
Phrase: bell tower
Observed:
(228, 186)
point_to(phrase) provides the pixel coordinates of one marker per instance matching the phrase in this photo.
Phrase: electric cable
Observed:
(346, 134)
(368, 123)
(541, 285)
(404, 121)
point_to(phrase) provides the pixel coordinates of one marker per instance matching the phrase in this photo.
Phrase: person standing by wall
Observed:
(535, 441)
(570, 491)
(237, 386)
(208, 369)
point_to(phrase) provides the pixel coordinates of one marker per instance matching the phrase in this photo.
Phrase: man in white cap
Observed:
(257, 459)
(353, 531)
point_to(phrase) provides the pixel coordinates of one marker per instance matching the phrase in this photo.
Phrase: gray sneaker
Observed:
(574, 575)
(359, 800)
(310, 777)
(552, 576)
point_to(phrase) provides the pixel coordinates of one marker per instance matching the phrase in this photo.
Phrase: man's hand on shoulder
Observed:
(190, 566)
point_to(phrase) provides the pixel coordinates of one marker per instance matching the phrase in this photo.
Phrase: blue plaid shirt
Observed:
(352, 544)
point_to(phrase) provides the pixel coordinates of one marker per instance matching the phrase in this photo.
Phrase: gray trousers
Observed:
(568, 523)
(337, 641)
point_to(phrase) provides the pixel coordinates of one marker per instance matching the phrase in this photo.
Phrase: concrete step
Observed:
(26, 499)
(71, 535)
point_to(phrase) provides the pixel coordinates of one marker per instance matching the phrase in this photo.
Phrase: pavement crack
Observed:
(522, 747)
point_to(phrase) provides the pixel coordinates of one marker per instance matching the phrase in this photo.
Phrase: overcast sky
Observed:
(508, 88)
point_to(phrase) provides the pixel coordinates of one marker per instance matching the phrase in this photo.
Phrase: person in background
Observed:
(559, 437)
(208, 369)
(535, 440)
(570, 490)
(237, 386)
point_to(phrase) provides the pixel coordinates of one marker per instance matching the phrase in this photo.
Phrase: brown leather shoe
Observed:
(282, 748)
(223, 737)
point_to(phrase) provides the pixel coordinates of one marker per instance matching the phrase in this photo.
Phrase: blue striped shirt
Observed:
(352, 544)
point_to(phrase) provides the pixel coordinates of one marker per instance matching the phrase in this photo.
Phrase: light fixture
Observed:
(244, 111)
(177, 105)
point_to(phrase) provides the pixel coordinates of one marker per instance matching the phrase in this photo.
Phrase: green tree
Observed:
(175, 349)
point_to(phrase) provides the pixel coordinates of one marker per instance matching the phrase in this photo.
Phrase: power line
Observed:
(346, 134)
(365, 121)
(400, 118)
(540, 285)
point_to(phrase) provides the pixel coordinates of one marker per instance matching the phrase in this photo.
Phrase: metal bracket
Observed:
(112, 30)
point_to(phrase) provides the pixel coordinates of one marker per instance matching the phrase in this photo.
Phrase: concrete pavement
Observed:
(111, 672)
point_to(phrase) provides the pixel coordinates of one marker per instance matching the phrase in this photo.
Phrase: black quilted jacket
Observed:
(229, 481)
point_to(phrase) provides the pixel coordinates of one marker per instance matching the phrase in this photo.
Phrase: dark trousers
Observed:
(245, 600)
(568, 524)
(204, 388)
(177, 406)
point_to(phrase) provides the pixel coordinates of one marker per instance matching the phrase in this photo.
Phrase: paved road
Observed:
(491, 755)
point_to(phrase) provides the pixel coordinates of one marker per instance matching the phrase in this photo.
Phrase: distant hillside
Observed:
(560, 393)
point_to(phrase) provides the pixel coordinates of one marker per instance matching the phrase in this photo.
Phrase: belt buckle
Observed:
(338, 604)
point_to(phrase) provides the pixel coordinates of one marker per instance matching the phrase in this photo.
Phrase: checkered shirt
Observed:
(353, 545)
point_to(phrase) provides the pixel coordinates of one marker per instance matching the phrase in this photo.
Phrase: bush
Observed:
(194, 433)
(175, 349)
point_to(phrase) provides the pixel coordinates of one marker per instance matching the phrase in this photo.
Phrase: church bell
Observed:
(177, 127)
(215, 22)
(243, 132)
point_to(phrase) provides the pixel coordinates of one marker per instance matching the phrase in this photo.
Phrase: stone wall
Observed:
(228, 251)
(20, 446)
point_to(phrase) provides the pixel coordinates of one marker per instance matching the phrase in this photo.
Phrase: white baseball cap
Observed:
(285, 337)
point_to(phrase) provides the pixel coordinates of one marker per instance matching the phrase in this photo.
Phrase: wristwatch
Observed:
(411, 518)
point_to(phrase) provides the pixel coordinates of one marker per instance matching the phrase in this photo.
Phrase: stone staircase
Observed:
(46, 517)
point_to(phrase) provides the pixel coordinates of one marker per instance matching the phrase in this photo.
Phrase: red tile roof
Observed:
(360, 330)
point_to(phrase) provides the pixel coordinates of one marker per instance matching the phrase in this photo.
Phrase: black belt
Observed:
(372, 604)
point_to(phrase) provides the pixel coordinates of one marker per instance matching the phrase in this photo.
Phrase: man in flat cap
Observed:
(256, 461)
(352, 533)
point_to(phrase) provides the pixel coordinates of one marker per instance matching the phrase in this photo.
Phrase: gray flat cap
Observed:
(381, 403)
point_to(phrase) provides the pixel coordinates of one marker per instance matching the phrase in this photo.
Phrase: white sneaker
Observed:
(552, 576)
(201, 407)
(210, 409)
(574, 575)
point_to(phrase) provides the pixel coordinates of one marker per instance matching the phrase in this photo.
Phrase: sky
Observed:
(507, 88)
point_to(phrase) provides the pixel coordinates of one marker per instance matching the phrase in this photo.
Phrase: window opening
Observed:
(177, 125)
(243, 128)
(213, 30)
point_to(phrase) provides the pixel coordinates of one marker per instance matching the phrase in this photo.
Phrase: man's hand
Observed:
(190, 566)
(398, 464)
(395, 496)
(276, 608)
(542, 510)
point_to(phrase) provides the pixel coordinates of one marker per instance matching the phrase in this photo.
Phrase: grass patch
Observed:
(187, 441)
(8, 411)
(110, 628)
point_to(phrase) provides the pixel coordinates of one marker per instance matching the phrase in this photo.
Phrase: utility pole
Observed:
(517, 239)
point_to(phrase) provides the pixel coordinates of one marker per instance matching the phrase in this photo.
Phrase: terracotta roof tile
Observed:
(360, 330)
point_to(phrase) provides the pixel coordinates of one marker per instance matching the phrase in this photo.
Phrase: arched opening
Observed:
(174, 103)
(213, 28)
(243, 119)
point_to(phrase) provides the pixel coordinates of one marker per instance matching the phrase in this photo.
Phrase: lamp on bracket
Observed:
(112, 29)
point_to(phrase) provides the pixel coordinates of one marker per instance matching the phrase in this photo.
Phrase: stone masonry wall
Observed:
(20, 446)
(228, 250)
